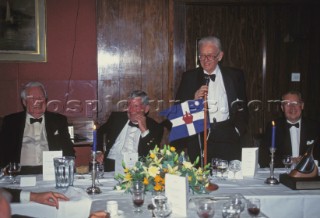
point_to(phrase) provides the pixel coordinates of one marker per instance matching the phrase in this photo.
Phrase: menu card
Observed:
(129, 159)
(177, 193)
(249, 161)
(48, 166)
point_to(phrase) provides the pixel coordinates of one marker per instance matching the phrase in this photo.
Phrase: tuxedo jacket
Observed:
(309, 130)
(15, 194)
(234, 84)
(11, 136)
(114, 125)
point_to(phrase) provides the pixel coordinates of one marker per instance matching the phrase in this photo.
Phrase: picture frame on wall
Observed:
(23, 31)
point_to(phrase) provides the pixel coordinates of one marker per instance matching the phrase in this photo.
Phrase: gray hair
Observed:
(23, 94)
(210, 40)
(138, 93)
(293, 92)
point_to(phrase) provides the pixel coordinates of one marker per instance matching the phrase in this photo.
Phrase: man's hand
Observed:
(48, 198)
(141, 119)
(200, 93)
(100, 157)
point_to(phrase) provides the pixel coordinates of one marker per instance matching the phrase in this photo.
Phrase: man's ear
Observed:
(282, 108)
(24, 102)
(146, 109)
(302, 105)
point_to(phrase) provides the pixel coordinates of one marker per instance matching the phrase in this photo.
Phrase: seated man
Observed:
(292, 132)
(131, 131)
(25, 135)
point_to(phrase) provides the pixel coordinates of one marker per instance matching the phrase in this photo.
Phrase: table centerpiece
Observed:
(153, 168)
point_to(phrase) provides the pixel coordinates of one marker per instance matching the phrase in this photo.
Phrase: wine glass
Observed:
(205, 209)
(222, 167)
(287, 161)
(234, 167)
(253, 207)
(214, 166)
(137, 192)
(13, 170)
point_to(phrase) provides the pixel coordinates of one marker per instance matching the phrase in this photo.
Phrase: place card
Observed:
(129, 159)
(177, 193)
(28, 181)
(249, 161)
(48, 166)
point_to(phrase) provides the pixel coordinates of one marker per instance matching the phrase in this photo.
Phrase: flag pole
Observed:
(205, 145)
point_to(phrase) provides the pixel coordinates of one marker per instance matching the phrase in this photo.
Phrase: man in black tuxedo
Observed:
(293, 131)
(132, 131)
(25, 135)
(226, 94)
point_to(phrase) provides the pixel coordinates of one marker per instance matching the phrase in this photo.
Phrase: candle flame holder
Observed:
(272, 180)
(94, 189)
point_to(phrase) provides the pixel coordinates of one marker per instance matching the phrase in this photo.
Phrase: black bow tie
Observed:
(33, 120)
(211, 76)
(133, 125)
(291, 125)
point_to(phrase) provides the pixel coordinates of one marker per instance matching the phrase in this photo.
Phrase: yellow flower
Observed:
(157, 187)
(126, 170)
(152, 155)
(157, 179)
(145, 181)
(153, 171)
(128, 177)
(173, 149)
(189, 178)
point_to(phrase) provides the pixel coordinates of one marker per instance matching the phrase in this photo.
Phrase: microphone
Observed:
(206, 80)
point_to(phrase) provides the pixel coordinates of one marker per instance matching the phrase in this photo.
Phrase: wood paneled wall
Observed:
(148, 44)
(133, 48)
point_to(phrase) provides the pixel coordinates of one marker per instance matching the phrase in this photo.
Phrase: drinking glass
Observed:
(234, 167)
(222, 167)
(253, 207)
(231, 210)
(214, 166)
(137, 192)
(205, 209)
(287, 161)
(13, 170)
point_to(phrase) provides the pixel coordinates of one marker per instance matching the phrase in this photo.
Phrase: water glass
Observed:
(234, 167)
(231, 210)
(64, 171)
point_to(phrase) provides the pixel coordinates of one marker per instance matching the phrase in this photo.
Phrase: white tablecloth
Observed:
(276, 200)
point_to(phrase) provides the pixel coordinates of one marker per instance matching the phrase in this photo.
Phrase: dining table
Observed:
(277, 200)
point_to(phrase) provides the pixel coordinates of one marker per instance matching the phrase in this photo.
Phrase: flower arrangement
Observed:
(152, 169)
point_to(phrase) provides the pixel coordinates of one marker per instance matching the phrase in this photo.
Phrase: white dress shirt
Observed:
(295, 138)
(34, 142)
(217, 98)
(127, 141)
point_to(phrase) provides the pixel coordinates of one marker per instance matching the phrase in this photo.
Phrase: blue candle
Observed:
(273, 145)
(94, 146)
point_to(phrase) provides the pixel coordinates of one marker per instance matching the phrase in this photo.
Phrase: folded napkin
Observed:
(78, 206)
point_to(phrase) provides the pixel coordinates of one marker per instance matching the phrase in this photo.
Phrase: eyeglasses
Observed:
(210, 57)
(291, 103)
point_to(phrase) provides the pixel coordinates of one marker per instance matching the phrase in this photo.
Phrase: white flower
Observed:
(118, 188)
(187, 164)
(153, 171)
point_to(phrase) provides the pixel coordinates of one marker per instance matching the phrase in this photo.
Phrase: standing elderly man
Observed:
(226, 94)
(293, 131)
(130, 132)
(25, 135)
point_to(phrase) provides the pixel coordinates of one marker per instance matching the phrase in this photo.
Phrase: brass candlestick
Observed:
(272, 180)
(94, 189)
